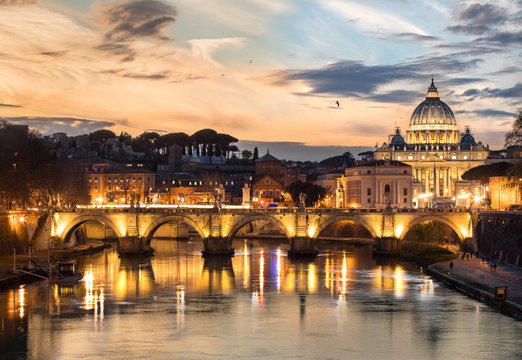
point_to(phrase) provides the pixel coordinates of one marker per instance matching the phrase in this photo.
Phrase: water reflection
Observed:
(258, 299)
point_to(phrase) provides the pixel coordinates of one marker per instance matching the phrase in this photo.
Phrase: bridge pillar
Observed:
(387, 245)
(217, 246)
(302, 246)
(134, 245)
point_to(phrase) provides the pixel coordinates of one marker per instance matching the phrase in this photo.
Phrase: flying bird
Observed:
(337, 102)
(251, 60)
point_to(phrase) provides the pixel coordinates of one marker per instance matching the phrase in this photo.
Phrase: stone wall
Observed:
(16, 231)
(499, 236)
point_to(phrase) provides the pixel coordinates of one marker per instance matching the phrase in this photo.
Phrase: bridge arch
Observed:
(336, 218)
(149, 233)
(78, 221)
(440, 219)
(245, 219)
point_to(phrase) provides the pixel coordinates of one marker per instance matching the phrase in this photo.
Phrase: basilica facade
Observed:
(434, 147)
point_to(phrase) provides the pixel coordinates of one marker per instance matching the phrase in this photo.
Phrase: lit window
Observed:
(465, 157)
(410, 157)
(453, 157)
(440, 156)
(398, 157)
(422, 157)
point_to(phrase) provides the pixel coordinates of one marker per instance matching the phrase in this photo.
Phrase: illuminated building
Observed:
(119, 185)
(376, 184)
(271, 178)
(434, 148)
(505, 193)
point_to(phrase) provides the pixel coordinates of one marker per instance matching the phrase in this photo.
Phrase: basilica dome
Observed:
(433, 111)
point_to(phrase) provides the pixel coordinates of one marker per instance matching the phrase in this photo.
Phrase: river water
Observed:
(258, 304)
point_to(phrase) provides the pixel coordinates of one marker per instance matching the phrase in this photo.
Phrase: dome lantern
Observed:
(432, 121)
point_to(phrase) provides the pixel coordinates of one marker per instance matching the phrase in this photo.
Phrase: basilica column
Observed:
(436, 180)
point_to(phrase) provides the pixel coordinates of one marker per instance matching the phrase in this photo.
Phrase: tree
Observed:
(163, 142)
(22, 153)
(256, 154)
(482, 173)
(205, 137)
(144, 143)
(314, 193)
(102, 136)
(246, 154)
(514, 137)
(338, 161)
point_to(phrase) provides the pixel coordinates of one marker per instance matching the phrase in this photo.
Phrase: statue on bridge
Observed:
(302, 200)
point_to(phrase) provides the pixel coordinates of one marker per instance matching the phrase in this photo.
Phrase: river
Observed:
(257, 304)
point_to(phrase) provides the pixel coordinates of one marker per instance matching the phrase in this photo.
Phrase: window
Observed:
(440, 156)
(95, 178)
(410, 157)
(231, 183)
(422, 157)
(369, 172)
(369, 191)
(453, 157)
(110, 188)
(398, 157)
(405, 172)
(405, 192)
(465, 157)
(95, 187)
(386, 188)
(267, 170)
(369, 200)
(405, 200)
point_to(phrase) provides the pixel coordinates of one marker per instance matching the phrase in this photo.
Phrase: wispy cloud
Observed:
(372, 19)
(17, 2)
(351, 78)
(70, 125)
(127, 21)
(487, 113)
(11, 106)
(512, 92)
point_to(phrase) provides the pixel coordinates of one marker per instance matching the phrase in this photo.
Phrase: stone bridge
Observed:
(135, 228)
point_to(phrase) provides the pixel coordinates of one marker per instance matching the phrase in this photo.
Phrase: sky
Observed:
(267, 71)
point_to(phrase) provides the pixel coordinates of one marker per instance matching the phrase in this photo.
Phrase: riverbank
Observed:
(8, 278)
(426, 254)
(478, 279)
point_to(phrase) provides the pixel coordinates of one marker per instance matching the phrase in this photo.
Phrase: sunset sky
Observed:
(261, 70)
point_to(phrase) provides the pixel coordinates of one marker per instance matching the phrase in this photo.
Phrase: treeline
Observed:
(29, 175)
(205, 142)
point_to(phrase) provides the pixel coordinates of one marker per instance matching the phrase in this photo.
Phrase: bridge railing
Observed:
(257, 210)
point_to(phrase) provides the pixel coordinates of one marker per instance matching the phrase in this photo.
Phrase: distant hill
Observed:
(287, 150)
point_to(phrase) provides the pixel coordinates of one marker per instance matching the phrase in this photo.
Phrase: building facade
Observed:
(434, 148)
(376, 184)
(119, 185)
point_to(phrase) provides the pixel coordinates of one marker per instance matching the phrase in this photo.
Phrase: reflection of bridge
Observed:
(136, 227)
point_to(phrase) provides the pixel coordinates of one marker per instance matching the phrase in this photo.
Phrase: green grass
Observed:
(426, 254)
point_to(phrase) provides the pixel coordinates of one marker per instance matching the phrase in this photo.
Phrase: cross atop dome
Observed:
(432, 91)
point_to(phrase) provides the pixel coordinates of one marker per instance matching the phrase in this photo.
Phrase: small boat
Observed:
(64, 273)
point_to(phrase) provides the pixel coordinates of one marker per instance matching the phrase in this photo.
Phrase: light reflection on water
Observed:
(257, 304)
